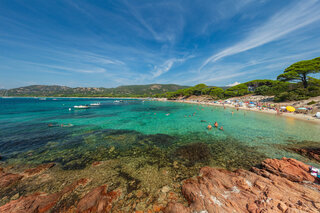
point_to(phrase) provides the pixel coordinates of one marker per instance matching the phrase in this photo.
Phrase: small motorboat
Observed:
(95, 104)
(81, 107)
(118, 101)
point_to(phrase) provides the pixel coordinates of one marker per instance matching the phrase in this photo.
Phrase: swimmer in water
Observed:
(209, 127)
(216, 124)
(221, 128)
(232, 112)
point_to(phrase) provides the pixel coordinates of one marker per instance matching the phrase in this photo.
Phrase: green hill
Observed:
(121, 91)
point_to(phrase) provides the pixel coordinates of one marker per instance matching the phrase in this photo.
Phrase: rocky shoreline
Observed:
(275, 185)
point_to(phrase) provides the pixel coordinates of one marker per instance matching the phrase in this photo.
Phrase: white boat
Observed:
(81, 107)
(118, 101)
(95, 104)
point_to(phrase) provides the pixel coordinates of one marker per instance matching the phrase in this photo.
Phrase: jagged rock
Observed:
(289, 168)
(278, 186)
(97, 200)
(309, 152)
(6, 179)
(39, 169)
(39, 202)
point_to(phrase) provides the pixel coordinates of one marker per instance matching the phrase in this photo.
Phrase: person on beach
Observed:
(215, 124)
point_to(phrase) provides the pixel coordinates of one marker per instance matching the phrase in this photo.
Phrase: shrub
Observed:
(311, 102)
(263, 90)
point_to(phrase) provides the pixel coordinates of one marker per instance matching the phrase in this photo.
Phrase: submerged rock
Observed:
(193, 153)
(278, 186)
(38, 169)
(39, 202)
(7, 179)
(98, 200)
(312, 153)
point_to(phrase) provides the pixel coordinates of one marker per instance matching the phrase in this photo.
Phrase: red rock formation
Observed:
(96, 163)
(97, 200)
(39, 202)
(6, 179)
(279, 186)
(38, 169)
(311, 153)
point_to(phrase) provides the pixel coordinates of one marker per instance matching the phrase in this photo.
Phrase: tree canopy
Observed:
(299, 71)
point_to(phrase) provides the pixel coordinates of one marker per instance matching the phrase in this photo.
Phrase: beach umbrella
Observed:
(283, 107)
(318, 114)
(302, 108)
(290, 108)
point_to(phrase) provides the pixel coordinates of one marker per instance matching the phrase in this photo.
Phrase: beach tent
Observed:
(290, 108)
(302, 108)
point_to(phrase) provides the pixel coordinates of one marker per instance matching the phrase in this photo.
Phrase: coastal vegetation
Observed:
(295, 83)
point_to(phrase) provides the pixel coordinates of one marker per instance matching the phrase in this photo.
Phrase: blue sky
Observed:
(111, 43)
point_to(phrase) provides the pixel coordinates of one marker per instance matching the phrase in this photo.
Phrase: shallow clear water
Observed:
(160, 130)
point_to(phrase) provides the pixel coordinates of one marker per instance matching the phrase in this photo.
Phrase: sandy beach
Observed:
(299, 116)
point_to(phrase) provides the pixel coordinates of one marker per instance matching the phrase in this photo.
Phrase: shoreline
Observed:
(302, 117)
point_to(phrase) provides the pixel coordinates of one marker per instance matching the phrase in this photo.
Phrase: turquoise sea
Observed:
(162, 131)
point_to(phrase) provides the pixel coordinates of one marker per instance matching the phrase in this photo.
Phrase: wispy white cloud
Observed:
(167, 65)
(286, 21)
(93, 70)
(234, 84)
(160, 32)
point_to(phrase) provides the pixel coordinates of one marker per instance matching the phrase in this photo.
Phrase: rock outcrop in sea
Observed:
(277, 186)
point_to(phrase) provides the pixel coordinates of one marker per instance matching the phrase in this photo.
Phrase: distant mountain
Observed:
(121, 91)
